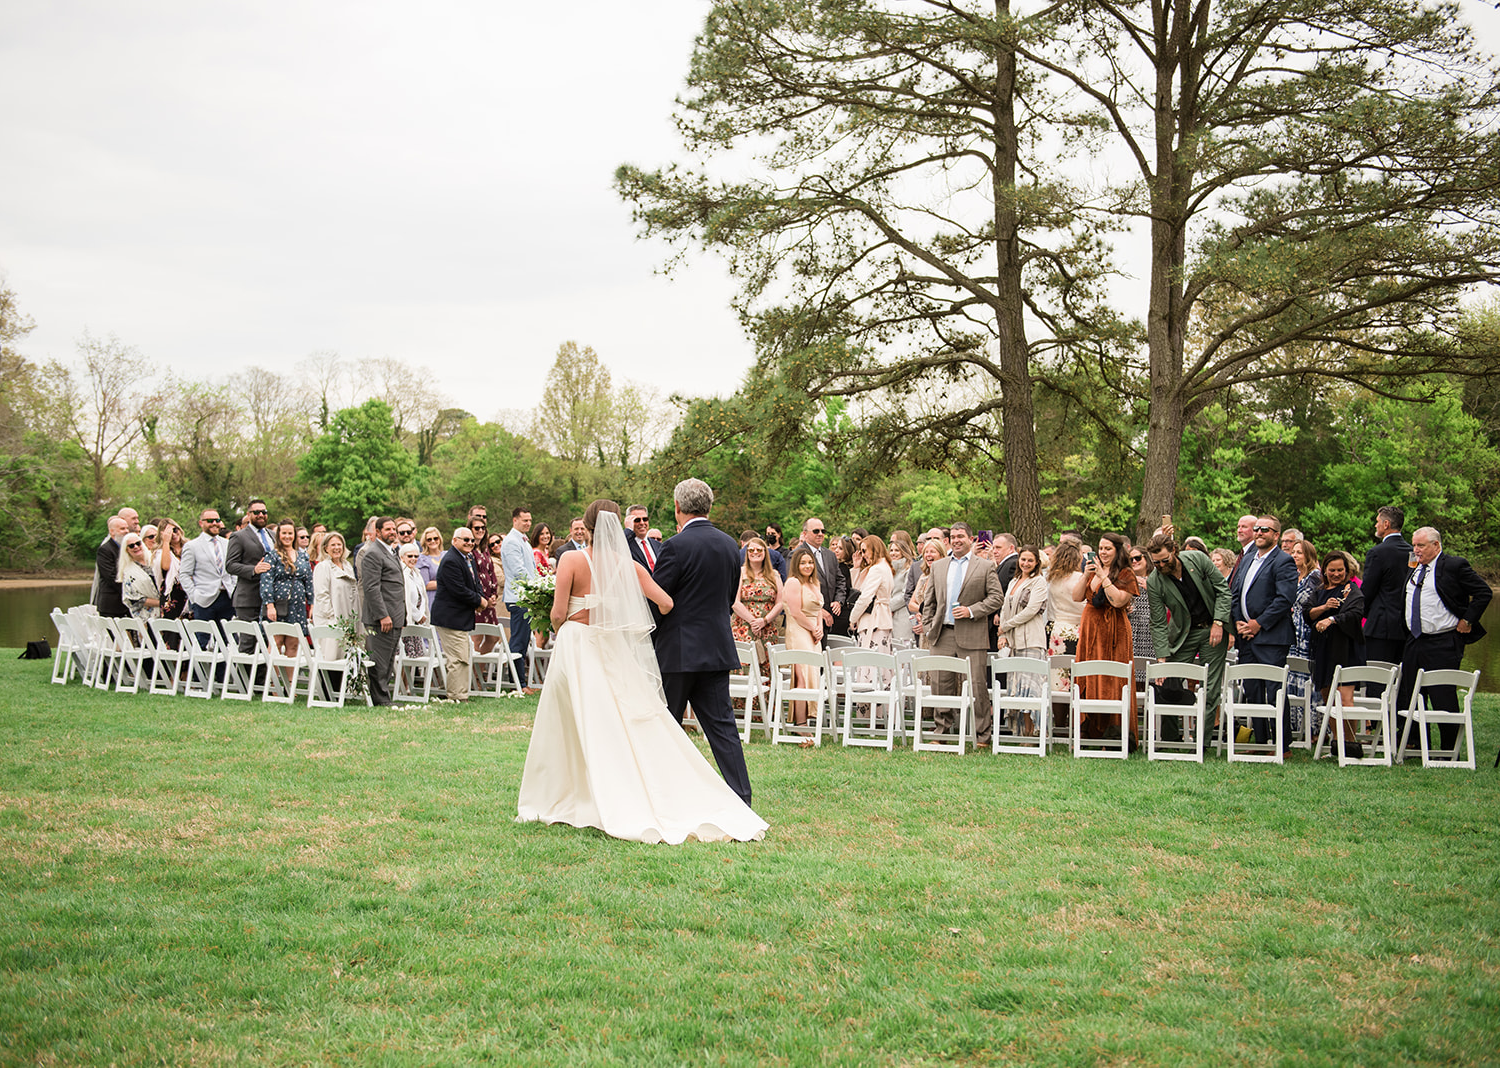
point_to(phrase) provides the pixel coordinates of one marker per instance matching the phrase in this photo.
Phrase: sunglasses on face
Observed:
(406, 533)
(1264, 530)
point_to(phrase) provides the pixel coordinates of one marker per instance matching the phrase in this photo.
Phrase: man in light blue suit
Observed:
(1261, 596)
(519, 563)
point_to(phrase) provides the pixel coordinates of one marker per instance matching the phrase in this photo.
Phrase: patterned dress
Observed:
(1296, 681)
(484, 567)
(289, 588)
(758, 595)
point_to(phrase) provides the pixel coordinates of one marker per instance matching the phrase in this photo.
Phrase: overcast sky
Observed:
(229, 184)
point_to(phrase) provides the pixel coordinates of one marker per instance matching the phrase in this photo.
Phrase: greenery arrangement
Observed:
(217, 882)
(353, 639)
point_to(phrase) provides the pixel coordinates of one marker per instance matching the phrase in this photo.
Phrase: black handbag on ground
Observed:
(37, 650)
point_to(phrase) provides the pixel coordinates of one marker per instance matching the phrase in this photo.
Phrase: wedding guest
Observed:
(458, 596)
(932, 552)
(802, 599)
(1224, 560)
(406, 533)
(773, 544)
(138, 590)
(335, 591)
(286, 586)
(1107, 589)
(1336, 611)
(1023, 622)
(541, 548)
(1064, 611)
(490, 577)
(304, 540)
(870, 615)
(757, 607)
(843, 553)
(1192, 541)
(315, 548)
(1309, 582)
(903, 555)
(416, 594)
(518, 564)
(164, 550)
(1140, 610)
(431, 544)
(208, 584)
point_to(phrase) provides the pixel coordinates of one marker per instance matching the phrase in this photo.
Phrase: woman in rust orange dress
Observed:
(1107, 589)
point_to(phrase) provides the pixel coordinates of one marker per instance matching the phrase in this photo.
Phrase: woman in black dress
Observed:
(1337, 638)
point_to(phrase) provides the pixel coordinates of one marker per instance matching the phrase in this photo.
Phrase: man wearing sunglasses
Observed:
(245, 559)
(830, 576)
(1261, 595)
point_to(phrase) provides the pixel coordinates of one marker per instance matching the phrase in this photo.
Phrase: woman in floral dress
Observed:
(754, 614)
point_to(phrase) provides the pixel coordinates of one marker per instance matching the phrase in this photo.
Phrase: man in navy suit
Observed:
(644, 549)
(700, 568)
(1261, 595)
(1444, 598)
(454, 602)
(1385, 573)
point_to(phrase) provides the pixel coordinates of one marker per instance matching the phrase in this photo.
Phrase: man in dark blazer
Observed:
(1443, 601)
(383, 608)
(1190, 614)
(1261, 595)
(454, 602)
(1385, 575)
(107, 595)
(700, 569)
(245, 559)
(644, 549)
(830, 576)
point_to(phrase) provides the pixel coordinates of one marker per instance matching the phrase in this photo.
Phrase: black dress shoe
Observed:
(1355, 749)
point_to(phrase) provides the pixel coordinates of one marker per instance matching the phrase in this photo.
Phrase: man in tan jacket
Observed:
(955, 623)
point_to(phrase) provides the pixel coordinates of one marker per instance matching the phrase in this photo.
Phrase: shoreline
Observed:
(21, 581)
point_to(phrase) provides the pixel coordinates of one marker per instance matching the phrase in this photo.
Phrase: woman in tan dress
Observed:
(803, 600)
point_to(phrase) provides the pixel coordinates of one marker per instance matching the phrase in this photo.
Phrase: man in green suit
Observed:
(1189, 601)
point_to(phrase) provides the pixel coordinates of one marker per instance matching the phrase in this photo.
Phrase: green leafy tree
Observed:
(358, 466)
(909, 242)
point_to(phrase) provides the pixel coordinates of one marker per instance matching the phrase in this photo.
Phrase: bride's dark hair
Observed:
(591, 514)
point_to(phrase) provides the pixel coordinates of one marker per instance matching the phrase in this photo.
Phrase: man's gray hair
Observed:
(693, 496)
(1428, 534)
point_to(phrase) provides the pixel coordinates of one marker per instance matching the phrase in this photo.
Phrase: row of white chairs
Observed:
(866, 698)
(203, 659)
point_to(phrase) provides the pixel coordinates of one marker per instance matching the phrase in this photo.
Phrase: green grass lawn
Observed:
(213, 882)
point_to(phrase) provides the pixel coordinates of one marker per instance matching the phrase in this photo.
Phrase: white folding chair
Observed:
(240, 667)
(835, 656)
(416, 673)
(136, 650)
(205, 657)
(746, 686)
(838, 641)
(538, 659)
(1027, 692)
(928, 700)
(784, 689)
(167, 676)
(1120, 705)
(1379, 744)
(1194, 715)
(1465, 681)
(1237, 708)
(881, 697)
(1301, 702)
(108, 651)
(1060, 680)
(328, 679)
(67, 652)
(278, 687)
(909, 686)
(487, 670)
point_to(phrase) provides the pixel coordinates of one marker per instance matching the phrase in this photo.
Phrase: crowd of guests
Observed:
(950, 590)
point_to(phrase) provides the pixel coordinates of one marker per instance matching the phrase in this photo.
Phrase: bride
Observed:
(605, 752)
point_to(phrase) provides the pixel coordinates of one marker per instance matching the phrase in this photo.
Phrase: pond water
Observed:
(24, 617)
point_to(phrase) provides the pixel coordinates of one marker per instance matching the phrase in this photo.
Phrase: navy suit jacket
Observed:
(1384, 585)
(457, 594)
(1269, 598)
(700, 569)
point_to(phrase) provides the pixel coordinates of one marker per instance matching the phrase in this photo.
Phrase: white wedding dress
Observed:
(605, 752)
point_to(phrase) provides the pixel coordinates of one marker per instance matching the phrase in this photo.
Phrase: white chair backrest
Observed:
(1109, 668)
(1189, 672)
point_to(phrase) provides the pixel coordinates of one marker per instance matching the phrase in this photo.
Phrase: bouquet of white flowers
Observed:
(535, 596)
